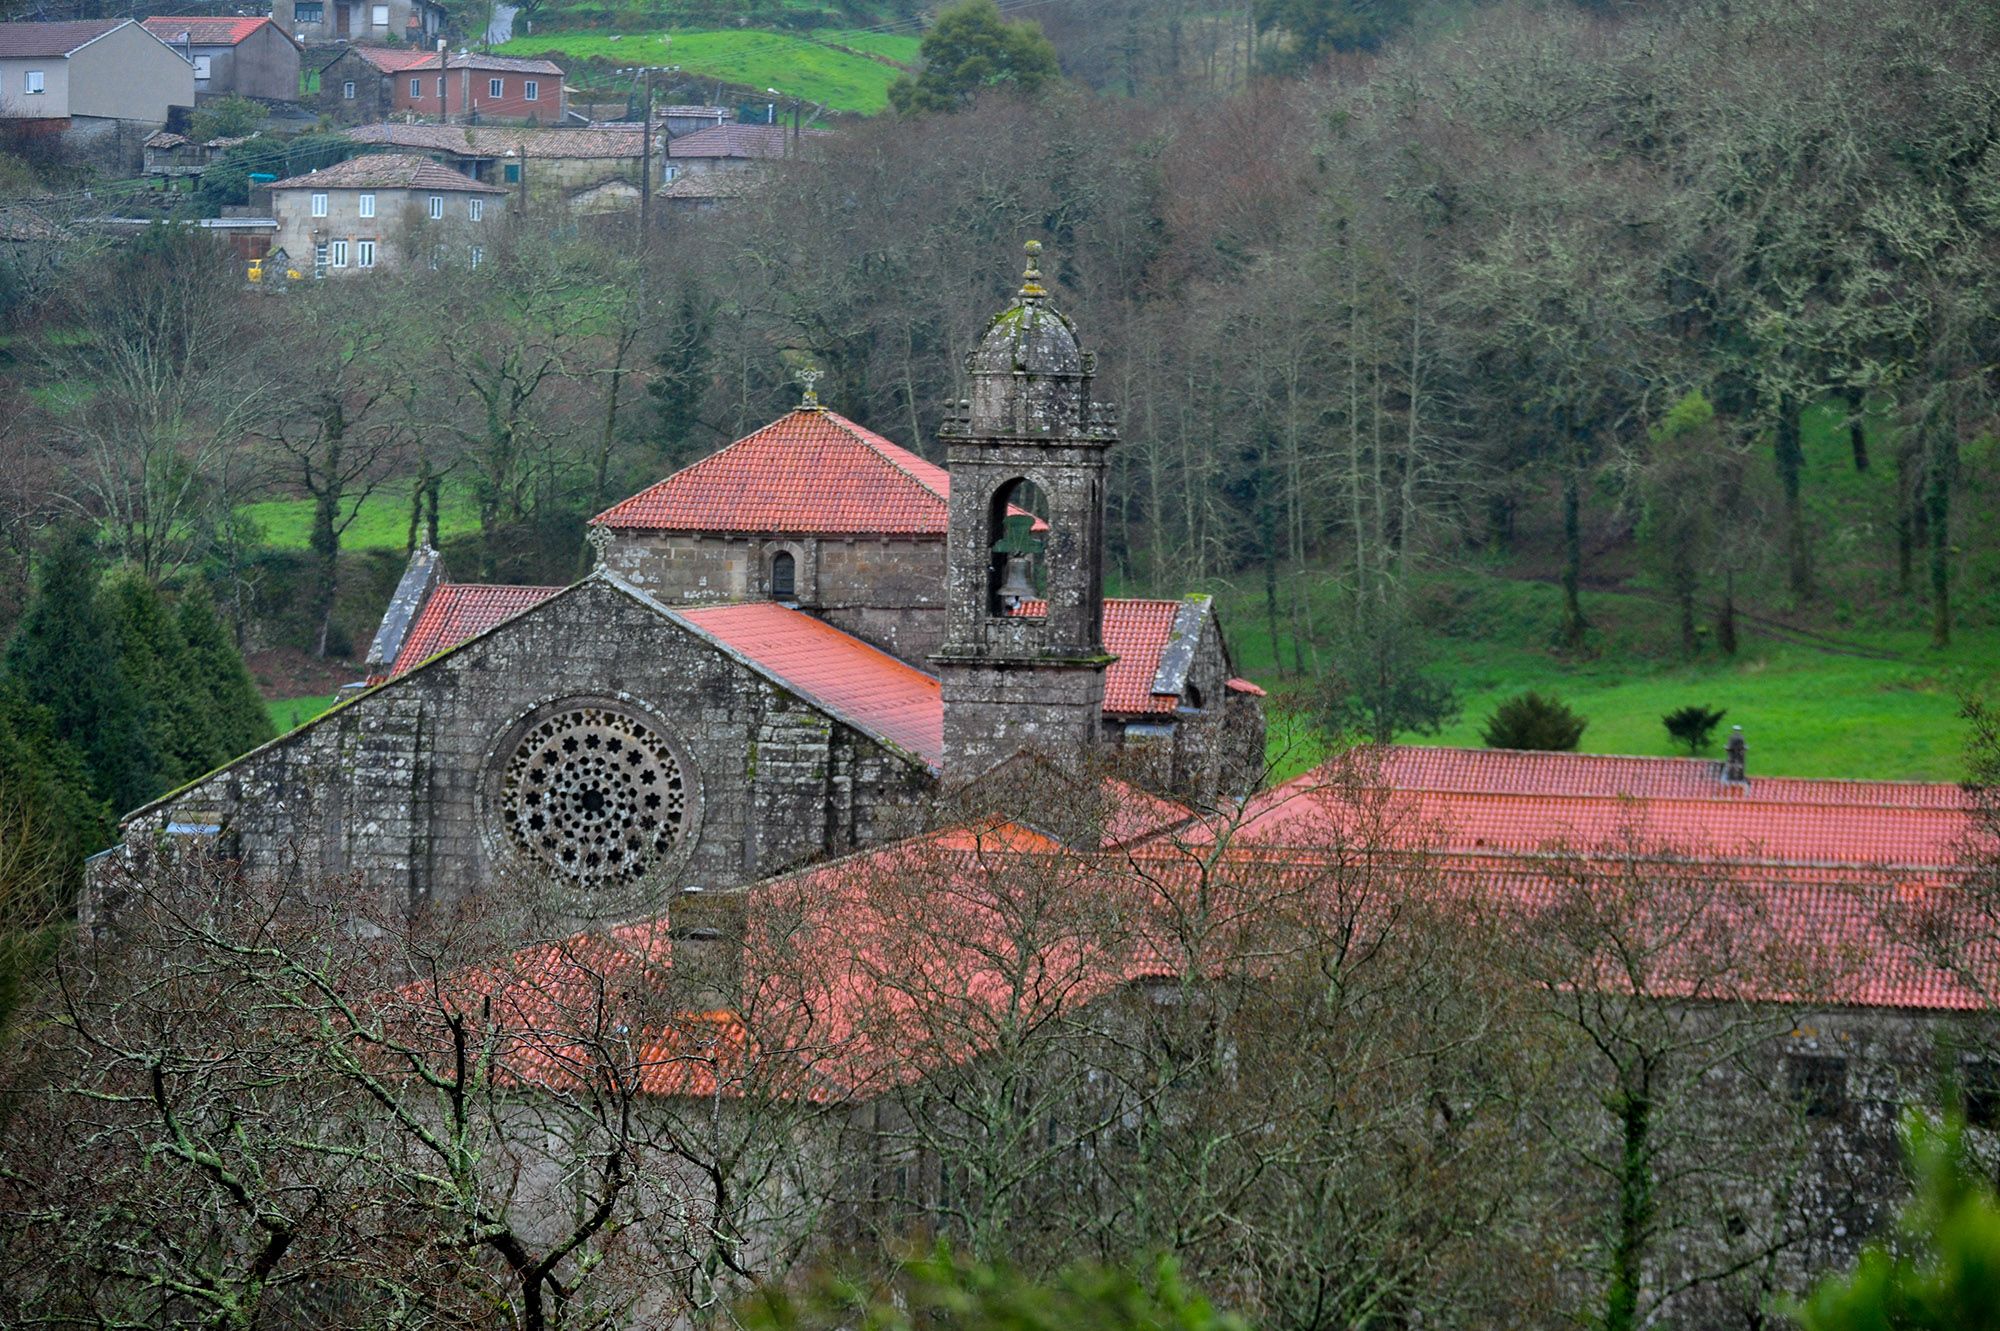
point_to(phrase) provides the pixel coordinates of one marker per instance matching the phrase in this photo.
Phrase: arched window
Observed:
(784, 576)
(1016, 531)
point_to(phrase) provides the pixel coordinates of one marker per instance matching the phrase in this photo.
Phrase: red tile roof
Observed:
(837, 673)
(1138, 632)
(52, 41)
(458, 611)
(739, 141)
(541, 143)
(808, 471)
(206, 31)
(1240, 685)
(396, 59)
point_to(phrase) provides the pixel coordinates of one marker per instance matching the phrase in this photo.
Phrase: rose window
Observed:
(595, 794)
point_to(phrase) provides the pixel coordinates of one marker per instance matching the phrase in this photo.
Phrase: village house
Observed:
(381, 211)
(91, 78)
(172, 156)
(480, 88)
(356, 84)
(244, 57)
(728, 147)
(576, 168)
(418, 22)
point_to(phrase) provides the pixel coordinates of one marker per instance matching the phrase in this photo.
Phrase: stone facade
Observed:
(404, 786)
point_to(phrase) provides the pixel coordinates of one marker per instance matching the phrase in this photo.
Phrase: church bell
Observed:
(1017, 582)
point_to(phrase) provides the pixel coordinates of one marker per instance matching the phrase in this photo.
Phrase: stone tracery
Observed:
(596, 795)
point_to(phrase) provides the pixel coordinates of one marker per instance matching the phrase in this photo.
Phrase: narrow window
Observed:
(437, 206)
(784, 576)
(203, 65)
(478, 256)
(417, 88)
(347, 90)
(319, 205)
(31, 82)
(531, 91)
(495, 87)
(475, 209)
(1982, 1093)
(319, 259)
(364, 254)
(1016, 576)
(339, 254)
(366, 203)
(381, 16)
(513, 172)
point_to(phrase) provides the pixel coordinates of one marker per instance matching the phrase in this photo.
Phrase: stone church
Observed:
(782, 650)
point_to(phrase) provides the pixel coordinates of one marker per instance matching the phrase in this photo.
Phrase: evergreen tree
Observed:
(64, 658)
(175, 708)
(969, 48)
(238, 719)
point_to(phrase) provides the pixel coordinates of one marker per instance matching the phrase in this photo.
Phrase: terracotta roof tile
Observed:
(1238, 684)
(206, 31)
(540, 144)
(396, 59)
(459, 611)
(739, 141)
(1137, 632)
(838, 673)
(387, 171)
(807, 471)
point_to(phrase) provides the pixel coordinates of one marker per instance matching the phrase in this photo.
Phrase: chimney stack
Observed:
(1735, 770)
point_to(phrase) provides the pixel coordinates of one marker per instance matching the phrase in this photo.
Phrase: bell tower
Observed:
(1022, 666)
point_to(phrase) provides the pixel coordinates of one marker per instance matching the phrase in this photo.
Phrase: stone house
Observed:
(417, 22)
(92, 76)
(246, 57)
(173, 156)
(382, 211)
(730, 148)
(357, 83)
(549, 167)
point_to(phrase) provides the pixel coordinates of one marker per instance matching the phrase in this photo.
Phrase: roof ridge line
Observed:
(861, 434)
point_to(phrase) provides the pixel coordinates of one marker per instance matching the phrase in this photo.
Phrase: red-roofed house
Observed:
(248, 57)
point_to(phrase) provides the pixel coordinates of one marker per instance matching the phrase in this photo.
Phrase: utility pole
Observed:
(646, 168)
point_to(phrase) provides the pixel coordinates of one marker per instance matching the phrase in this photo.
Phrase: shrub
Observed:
(1693, 725)
(1530, 721)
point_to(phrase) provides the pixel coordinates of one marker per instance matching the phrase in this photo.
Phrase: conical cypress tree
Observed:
(238, 717)
(176, 709)
(64, 656)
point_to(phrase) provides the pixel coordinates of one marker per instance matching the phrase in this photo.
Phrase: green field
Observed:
(291, 713)
(383, 524)
(751, 57)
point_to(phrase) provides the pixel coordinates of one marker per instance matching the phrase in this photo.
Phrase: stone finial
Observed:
(600, 539)
(808, 378)
(1031, 276)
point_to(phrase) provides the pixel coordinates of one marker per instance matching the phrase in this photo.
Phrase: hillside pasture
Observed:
(810, 68)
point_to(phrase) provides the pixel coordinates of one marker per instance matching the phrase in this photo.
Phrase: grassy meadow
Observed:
(813, 68)
(382, 524)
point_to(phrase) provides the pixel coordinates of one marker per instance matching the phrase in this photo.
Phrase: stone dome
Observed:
(1029, 377)
(1028, 338)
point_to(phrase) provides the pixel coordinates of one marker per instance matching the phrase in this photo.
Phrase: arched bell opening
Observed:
(1016, 543)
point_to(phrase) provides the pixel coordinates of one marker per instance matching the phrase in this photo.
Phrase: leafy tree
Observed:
(232, 117)
(1313, 28)
(1378, 685)
(1945, 1273)
(1693, 725)
(59, 656)
(1531, 721)
(226, 180)
(969, 48)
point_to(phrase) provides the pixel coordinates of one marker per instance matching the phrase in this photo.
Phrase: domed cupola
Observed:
(1029, 379)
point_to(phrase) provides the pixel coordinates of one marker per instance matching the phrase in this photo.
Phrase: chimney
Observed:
(1734, 769)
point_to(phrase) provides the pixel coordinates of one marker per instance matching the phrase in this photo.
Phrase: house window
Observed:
(366, 204)
(531, 91)
(202, 65)
(1981, 1091)
(478, 255)
(475, 209)
(513, 173)
(337, 253)
(347, 90)
(437, 206)
(670, 174)
(380, 16)
(308, 12)
(417, 87)
(364, 254)
(319, 205)
(31, 82)
(319, 259)
(784, 576)
(494, 87)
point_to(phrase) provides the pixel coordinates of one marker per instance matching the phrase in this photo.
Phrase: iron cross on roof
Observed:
(808, 377)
